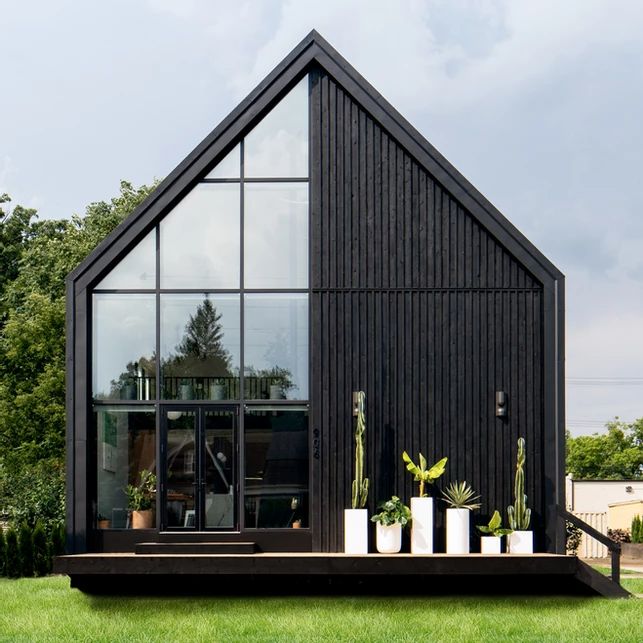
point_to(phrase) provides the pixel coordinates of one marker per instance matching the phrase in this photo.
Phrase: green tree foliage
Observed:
(25, 544)
(13, 565)
(3, 552)
(615, 455)
(35, 257)
(41, 550)
(58, 540)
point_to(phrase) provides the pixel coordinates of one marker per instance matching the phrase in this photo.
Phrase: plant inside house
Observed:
(520, 541)
(422, 505)
(140, 500)
(393, 515)
(461, 499)
(356, 518)
(491, 543)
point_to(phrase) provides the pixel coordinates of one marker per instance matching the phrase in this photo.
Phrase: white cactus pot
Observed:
(520, 542)
(389, 538)
(356, 531)
(458, 531)
(490, 545)
(422, 525)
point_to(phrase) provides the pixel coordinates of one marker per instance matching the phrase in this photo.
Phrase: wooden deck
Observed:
(328, 572)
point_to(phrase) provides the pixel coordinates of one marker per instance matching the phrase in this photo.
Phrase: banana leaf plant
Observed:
(421, 473)
(494, 527)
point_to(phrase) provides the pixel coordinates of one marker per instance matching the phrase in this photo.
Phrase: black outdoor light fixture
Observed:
(501, 404)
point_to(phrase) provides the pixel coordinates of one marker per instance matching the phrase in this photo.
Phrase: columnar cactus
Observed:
(360, 483)
(519, 515)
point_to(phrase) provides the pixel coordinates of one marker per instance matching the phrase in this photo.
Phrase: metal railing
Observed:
(613, 547)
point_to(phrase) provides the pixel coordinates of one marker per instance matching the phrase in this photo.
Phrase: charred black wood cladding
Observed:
(418, 305)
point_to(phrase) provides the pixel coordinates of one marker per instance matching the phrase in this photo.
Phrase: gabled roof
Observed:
(312, 50)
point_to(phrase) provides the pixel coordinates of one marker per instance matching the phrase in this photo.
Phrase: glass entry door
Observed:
(199, 455)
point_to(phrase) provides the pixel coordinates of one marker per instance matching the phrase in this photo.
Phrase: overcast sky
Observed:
(539, 104)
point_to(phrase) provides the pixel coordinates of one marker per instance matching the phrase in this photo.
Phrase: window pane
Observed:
(137, 270)
(126, 446)
(200, 347)
(278, 145)
(276, 346)
(181, 470)
(276, 468)
(228, 167)
(123, 343)
(276, 235)
(219, 471)
(200, 239)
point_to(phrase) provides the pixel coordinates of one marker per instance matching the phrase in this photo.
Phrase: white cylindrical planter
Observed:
(422, 525)
(458, 531)
(520, 542)
(490, 545)
(356, 531)
(389, 538)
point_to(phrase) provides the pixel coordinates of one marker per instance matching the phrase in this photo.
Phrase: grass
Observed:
(607, 571)
(47, 610)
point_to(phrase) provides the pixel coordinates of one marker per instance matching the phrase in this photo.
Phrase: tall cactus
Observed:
(360, 483)
(519, 515)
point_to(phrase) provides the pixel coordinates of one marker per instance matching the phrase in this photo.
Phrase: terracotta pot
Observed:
(143, 519)
(296, 524)
(104, 524)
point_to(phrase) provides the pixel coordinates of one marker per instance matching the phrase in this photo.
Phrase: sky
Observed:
(539, 104)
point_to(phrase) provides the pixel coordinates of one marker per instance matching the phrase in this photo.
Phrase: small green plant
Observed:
(3, 552)
(421, 473)
(573, 537)
(12, 565)
(25, 544)
(495, 526)
(58, 539)
(359, 493)
(393, 511)
(519, 515)
(140, 497)
(41, 557)
(637, 529)
(619, 535)
(459, 495)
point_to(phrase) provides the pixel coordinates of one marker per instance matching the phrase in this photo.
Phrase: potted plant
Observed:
(393, 516)
(356, 518)
(422, 505)
(140, 500)
(461, 500)
(103, 521)
(520, 541)
(492, 544)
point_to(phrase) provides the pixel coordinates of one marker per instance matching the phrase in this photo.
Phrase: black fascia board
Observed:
(313, 49)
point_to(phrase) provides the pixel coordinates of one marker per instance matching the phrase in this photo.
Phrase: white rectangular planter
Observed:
(458, 531)
(520, 542)
(356, 531)
(389, 538)
(422, 525)
(490, 545)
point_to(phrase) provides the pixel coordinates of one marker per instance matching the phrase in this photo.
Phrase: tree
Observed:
(615, 455)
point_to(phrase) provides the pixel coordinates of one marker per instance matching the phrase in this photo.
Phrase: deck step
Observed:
(196, 548)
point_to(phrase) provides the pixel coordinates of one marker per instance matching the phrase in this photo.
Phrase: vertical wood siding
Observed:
(416, 304)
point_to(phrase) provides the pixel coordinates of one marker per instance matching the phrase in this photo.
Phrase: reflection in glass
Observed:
(276, 235)
(276, 346)
(228, 167)
(125, 446)
(200, 239)
(180, 508)
(219, 473)
(200, 346)
(278, 145)
(276, 467)
(136, 270)
(123, 340)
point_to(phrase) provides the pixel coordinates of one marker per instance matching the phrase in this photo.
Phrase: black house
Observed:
(313, 245)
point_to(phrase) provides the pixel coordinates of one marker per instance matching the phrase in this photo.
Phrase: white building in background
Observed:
(595, 496)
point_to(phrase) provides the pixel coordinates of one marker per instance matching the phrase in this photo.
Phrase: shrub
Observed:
(619, 535)
(57, 539)
(637, 529)
(12, 560)
(574, 535)
(25, 544)
(3, 552)
(41, 551)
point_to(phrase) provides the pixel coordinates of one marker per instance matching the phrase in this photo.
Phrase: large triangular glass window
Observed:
(137, 270)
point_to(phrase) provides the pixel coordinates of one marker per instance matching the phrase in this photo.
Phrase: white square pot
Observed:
(422, 525)
(389, 538)
(490, 545)
(520, 542)
(356, 531)
(458, 531)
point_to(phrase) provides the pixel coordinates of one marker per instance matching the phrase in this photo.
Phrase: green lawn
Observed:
(46, 609)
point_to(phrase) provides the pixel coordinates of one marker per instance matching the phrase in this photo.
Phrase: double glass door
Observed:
(199, 473)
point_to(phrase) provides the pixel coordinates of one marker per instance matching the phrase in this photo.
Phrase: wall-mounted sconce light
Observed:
(501, 404)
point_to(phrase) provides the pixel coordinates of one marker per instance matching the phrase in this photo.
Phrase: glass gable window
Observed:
(137, 270)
